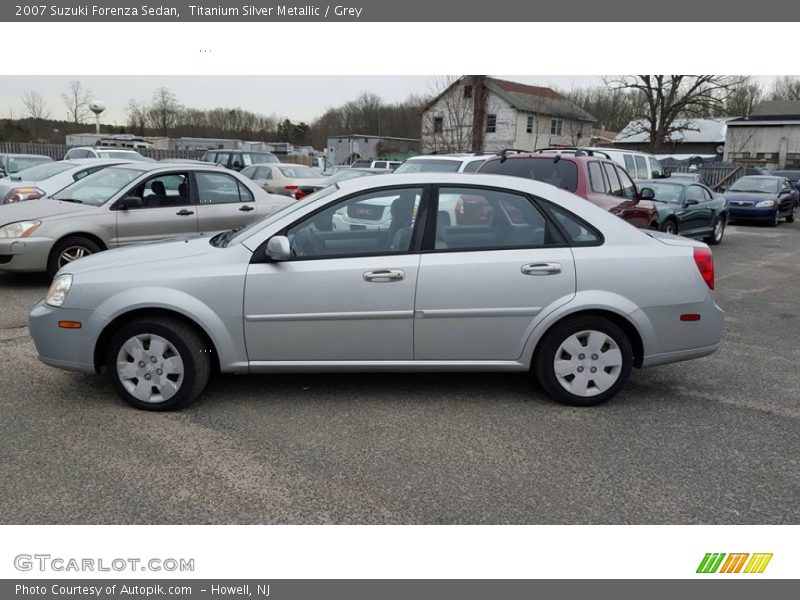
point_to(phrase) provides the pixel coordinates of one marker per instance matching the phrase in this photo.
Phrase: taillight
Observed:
(289, 188)
(21, 194)
(705, 264)
(298, 194)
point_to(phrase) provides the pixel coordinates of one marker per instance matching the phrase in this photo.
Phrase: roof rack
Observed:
(506, 151)
(577, 150)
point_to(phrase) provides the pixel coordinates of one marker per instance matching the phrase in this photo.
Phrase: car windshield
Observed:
(98, 188)
(562, 174)
(429, 166)
(20, 163)
(756, 185)
(299, 172)
(665, 192)
(257, 226)
(42, 171)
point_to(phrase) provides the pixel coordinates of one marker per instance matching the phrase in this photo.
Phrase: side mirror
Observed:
(691, 202)
(722, 189)
(278, 248)
(129, 202)
(784, 192)
(646, 193)
(237, 165)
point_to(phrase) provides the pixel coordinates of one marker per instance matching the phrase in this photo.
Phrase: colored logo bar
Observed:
(737, 562)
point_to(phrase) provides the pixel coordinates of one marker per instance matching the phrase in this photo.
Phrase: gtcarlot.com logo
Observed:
(739, 562)
(46, 562)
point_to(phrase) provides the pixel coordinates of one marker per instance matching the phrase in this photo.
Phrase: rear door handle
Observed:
(384, 275)
(541, 269)
(184, 213)
(246, 208)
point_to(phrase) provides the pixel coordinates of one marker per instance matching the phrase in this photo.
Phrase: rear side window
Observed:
(218, 188)
(596, 178)
(578, 231)
(472, 166)
(629, 164)
(641, 168)
(562, 174)
(488, 219)
(656, 171)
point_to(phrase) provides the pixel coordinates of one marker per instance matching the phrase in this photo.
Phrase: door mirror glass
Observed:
(278, 248)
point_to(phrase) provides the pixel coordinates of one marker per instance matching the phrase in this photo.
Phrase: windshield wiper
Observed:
(221, 240)
(75, 200)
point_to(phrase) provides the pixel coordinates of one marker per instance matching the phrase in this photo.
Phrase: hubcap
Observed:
(671, 228)
(718, 230)
(72, 253)
(150, 368)
(588, 363)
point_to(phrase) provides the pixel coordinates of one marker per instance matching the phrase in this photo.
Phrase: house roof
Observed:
(710, 131)
(771, 111)
(527, 98)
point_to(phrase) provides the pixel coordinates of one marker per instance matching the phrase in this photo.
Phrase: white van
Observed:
(639, 165)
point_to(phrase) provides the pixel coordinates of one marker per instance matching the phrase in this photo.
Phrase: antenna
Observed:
(97, 107)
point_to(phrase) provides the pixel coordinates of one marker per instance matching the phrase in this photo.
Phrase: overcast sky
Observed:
(300, 98)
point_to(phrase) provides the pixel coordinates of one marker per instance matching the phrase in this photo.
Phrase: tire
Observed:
(718, 232)
(179, 372)
(776, 219)
(791, 216)
(76, 246)
(583, 332)
(670, 226)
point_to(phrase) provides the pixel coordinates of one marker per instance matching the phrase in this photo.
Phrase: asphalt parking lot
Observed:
(715, 440)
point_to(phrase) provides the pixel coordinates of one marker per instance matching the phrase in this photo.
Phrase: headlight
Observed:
(766, 204)
(20, 229)
(59, 290)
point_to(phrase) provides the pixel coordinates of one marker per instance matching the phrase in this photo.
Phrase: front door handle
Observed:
(384, 275)
(184, 213)
(541, 269)
(246, 208)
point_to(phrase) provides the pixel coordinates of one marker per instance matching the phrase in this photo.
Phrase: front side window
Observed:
(641, 167)
(556, 125)
(221, 158)
(615, 187)
(491, 123)
(372, 223)
(486, 219)
(167, 190)
(656, 170)
(695, 192)
(218, 188)
(628, 187)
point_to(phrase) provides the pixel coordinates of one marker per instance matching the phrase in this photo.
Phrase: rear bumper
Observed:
(25, 254)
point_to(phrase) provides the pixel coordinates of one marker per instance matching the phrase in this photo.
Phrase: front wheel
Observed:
(717, 233)
(584, 361)
(69, 249)
(158, 363)
(792, 215)
(776, 219)
(670, 226)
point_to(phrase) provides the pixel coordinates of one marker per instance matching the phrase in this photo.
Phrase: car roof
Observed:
(762, 177)
(25, 155)
(446, 156)
(670, 181)
(456, 179)
(547, 156)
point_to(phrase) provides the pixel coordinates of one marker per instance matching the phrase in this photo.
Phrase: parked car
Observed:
(593, 177)
(239, 159)
(443, 163)
(691, 177)
(283, 178)
(387, 165)
(689, 209)
(48, 178)
(105, 152)
(14, 163)
(127, 204)
(762, 197)
(639, 165)
(306, 189)
(552, 284)
(792, 176)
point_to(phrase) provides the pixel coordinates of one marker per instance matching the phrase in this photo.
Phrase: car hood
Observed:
(749, 196)
(38, 209)
(154, 252)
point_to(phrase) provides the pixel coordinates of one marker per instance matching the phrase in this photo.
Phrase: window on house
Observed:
(491, 123)
(556, 125)
(438, 124)
(467, 91)
(529, 126)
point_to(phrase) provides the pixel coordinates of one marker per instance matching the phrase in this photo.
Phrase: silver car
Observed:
(547, 283)
(127, 204)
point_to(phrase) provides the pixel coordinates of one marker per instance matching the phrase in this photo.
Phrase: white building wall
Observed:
(775, 145)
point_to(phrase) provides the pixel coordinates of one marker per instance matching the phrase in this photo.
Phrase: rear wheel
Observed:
(69, 249)
(158, 363)
(670, 226)
(717, 232)
(584, 361)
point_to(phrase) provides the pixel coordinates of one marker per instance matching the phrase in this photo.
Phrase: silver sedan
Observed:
(127, 204)
(543, 282)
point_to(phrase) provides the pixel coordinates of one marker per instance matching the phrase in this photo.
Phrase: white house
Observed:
(770, 135)
(481, 113)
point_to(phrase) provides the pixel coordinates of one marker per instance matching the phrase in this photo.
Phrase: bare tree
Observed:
(77, 100)
(447, 120)
(163, 110)
(670, 100)
(35, 105)
(785, 88)
(137, 115)
(743, 98)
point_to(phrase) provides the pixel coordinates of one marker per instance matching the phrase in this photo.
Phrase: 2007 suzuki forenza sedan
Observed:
(379, 273)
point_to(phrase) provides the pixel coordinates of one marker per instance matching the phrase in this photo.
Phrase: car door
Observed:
(166, 210)
(787, 196)
(347, 294)
(222, 202)
(697, 210)
(482, 287)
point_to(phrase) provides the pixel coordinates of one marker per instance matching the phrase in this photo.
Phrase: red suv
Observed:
(586, 173)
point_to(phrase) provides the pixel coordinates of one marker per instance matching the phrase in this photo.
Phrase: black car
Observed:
(688, 208)
(239, 159)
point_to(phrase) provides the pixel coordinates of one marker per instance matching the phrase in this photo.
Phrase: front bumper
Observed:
(25, 254)
(740, 212)
(70, 349)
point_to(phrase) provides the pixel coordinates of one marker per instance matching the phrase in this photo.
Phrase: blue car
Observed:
(764, 198)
